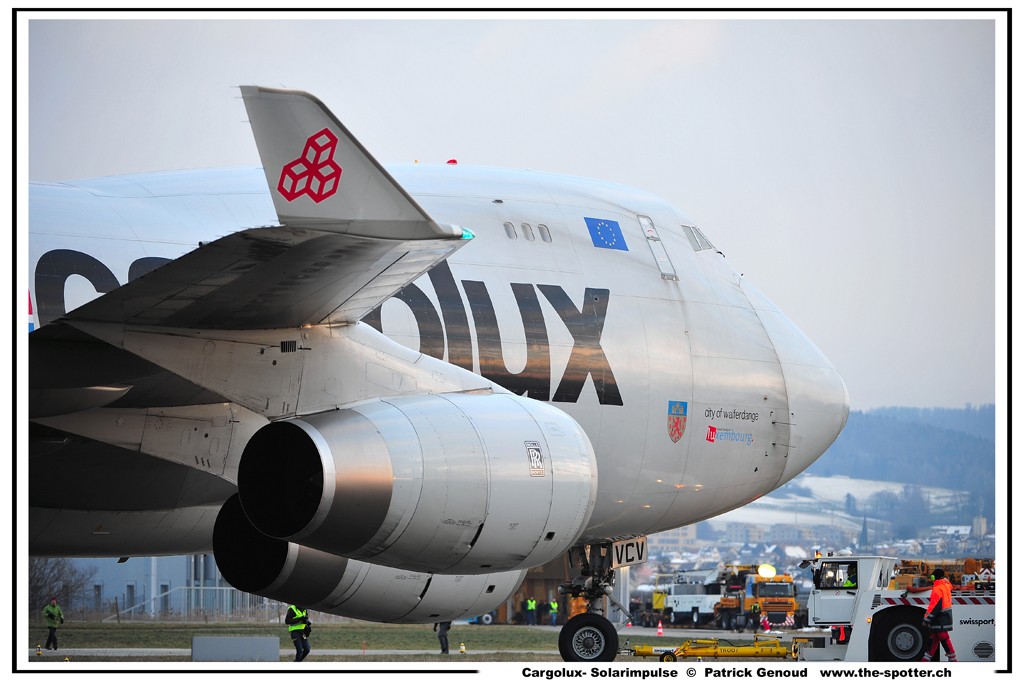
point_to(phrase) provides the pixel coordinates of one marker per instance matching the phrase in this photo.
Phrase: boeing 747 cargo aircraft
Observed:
(386, 393)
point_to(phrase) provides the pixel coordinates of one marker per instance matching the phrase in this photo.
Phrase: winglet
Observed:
(322, 177)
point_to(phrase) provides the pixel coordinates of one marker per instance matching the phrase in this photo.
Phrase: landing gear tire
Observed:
(898, 638)
(588, 638)
(695, 618)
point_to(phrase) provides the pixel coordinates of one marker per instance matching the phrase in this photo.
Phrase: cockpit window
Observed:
(697, 240)
(691, 237)
(705, 244)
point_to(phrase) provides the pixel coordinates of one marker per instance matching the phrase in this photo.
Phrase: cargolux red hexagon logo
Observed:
(314, 173)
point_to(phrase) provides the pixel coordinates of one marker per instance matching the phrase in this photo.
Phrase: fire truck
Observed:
(869, 619)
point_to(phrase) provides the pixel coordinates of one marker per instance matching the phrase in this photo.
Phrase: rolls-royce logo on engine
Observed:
(536, 457)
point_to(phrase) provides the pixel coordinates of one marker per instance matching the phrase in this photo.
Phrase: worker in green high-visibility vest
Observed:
(54, 618)
(531, 610)
(299, 629)
(553, 610)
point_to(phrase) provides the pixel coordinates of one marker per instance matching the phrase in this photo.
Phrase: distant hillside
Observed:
(977, 420)
(928, 447)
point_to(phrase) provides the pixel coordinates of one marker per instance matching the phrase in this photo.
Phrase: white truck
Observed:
(692, 597)
(871, 622)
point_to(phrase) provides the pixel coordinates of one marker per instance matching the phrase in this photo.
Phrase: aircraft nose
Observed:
(819, 402)
(820, 405)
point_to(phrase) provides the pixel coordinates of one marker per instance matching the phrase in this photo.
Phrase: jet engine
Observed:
(452, 483)
(287, 572)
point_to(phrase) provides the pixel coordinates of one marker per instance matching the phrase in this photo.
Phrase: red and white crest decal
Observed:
(676, 420)
(314, 173)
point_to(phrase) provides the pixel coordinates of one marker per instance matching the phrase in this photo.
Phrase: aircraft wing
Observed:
(349, 237)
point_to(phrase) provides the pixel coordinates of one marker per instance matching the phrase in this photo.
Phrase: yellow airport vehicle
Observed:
(713, 647)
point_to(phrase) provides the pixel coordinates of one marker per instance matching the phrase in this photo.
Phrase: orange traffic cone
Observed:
(660, 632)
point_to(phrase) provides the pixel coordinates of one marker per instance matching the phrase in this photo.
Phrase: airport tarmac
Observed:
(76, 653)
(669, 634)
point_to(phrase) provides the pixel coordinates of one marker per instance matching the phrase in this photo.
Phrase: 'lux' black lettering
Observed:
(587, 356)
(586, 359)
(535, 378)
(456, 324)
(427, 322)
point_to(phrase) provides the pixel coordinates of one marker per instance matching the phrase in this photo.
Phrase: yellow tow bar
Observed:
(713, 647)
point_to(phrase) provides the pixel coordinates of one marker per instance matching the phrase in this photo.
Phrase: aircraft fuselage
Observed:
(697, 393)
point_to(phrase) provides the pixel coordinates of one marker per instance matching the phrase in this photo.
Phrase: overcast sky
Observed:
(846, 167)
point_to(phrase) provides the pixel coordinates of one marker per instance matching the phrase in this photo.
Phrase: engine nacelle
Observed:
(253, 562)
(454, 483)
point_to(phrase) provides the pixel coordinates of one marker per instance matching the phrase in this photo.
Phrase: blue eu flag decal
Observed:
(606, 234)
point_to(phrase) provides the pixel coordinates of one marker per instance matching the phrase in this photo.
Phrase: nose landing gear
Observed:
(589, 636)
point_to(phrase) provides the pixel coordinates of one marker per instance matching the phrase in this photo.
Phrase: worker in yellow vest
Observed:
(531, 610)
(553, 610)
(299, 629)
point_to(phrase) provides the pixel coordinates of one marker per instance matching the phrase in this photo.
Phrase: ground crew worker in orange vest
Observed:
(939, 616)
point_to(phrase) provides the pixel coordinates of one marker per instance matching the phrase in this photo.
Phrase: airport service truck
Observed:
(976, 573)
(869, 619)
(727, 595)
(692, 598)
(753, 592)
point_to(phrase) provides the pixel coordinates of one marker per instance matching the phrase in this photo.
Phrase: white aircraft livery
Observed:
(388, 393)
